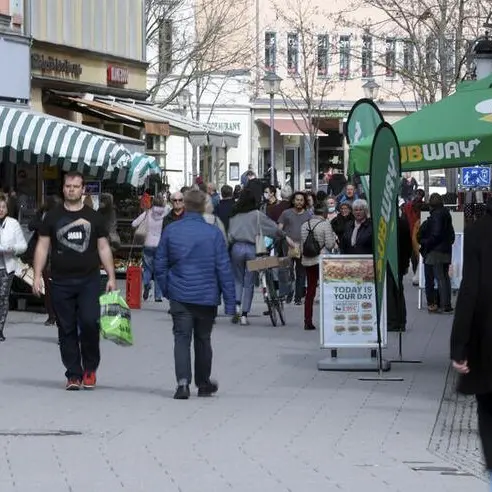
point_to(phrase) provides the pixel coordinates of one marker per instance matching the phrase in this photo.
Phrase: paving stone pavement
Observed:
(277, 423)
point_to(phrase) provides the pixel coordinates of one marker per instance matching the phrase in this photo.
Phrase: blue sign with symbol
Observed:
(475, 177)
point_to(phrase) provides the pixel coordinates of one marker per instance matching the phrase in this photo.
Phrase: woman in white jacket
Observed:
(12, 244)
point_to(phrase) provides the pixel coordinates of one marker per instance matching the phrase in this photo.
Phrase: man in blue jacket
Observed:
(193, 270)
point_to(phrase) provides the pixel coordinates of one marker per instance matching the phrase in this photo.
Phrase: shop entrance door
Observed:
(292, 170)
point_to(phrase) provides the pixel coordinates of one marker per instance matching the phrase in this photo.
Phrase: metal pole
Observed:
(272, 143)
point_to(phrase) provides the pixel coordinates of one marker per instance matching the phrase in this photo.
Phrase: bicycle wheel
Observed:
(271, 297)
(279, 306)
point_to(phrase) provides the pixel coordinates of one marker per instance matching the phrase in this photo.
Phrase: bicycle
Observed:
(274, 302)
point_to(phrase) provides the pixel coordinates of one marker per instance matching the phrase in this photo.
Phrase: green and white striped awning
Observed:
(141, 167)
(27, 137)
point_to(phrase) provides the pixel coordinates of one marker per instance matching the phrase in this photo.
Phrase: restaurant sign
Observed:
(226, 126)
(55, 65)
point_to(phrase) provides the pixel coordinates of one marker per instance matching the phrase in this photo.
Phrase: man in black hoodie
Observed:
(224, 209)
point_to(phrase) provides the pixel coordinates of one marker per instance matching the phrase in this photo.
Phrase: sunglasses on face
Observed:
(177, 200)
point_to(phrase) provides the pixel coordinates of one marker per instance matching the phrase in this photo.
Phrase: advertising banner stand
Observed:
(385, 170)
(348, 314)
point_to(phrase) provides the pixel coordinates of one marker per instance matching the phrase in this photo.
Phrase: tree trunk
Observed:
(313, 166)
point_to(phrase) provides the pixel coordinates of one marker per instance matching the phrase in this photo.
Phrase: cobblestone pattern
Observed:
(455, 436)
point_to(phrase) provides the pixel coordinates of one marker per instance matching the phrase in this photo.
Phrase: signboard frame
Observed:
(325, 339)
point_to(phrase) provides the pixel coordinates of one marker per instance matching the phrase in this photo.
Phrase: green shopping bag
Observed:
(116, 319)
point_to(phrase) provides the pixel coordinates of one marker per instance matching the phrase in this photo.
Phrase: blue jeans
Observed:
(148, 270)
(243, 278)
(192, 320)
(76, 305)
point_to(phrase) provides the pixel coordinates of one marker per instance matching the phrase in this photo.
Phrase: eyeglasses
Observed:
(177, 200)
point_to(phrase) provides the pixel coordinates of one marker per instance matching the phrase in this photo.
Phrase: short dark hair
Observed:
(74, 174)
(319, 208)
(184, 189)
(435, 200)
(194, 201)
(250, 173)
(271, 187)
(226, 191)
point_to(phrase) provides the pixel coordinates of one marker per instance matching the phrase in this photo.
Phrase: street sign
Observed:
(475, 177)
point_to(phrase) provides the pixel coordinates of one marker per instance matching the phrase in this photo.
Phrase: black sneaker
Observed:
(208, 389)
(146, 292)
(309, 327)
(298, 302)
(182, 392)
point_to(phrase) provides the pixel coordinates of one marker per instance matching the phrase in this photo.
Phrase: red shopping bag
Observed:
(134, 287)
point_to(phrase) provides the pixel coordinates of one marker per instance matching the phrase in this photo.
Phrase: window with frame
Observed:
(292, 53)
(323, 54)
(344, 49)
(165, 46)
(270, 51)
(408, 56)
(366, 56)
(390, 58)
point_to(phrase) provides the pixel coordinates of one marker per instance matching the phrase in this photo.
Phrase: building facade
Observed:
(325, 54)
(83, 50)
(14, 53)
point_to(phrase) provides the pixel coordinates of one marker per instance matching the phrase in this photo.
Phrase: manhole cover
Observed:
(48, 433)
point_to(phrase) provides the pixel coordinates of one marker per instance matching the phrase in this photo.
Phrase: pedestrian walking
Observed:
(12, 244)
(177, 211)
(437, 244)
(357, 238)
(52, 202)
(224, 209)
(79, 244)
(246, 224)
(211, 218)
(153, 221)
(193, 270)
(291, 222)
(471, 337)
(317, 236)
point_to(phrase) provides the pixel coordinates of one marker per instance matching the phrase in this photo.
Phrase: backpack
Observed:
(311, 248)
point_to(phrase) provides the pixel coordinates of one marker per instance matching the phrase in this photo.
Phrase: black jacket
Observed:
(438, 233)
(340, 223)
(363, 244)
(224, 211)
(170, 218)
(404, 246)
(471, 337)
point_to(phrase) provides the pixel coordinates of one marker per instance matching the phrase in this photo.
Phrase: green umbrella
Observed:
(454, 132)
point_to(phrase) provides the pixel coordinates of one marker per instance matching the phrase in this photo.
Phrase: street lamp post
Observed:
(184, 99)
(371, 89)
(481, 53)
(271, 83)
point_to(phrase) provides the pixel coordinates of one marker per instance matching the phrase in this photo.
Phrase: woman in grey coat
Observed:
(246, 223)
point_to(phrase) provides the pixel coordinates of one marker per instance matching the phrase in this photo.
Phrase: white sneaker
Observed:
(244, 321)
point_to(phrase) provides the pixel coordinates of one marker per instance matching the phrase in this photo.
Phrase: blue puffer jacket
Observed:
(192, 264)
